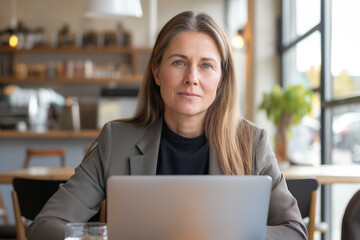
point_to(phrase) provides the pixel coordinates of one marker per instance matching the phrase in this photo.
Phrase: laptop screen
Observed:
(187, 207)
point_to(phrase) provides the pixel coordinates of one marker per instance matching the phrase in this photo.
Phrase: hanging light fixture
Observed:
(113, 8)
(13, 40)
(238, 41)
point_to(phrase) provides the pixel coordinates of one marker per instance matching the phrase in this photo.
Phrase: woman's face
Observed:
(188, 75)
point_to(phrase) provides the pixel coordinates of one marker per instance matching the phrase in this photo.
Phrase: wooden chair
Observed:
(304, 191)
(7, 231)
(30, 153)
(3, 212)
(350, 228)
(29, 197)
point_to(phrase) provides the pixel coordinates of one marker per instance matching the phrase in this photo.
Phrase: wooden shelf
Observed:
(90, 133)
(123, 79)
(134, 56)
(112, 49)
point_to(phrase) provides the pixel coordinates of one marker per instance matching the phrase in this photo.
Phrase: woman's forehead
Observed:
(192, 43)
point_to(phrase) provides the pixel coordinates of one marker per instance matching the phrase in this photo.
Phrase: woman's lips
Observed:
(189, 95)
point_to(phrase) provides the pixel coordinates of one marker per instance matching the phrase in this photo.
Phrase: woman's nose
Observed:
(192, 76)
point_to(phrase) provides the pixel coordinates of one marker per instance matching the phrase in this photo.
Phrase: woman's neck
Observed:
(185, 126)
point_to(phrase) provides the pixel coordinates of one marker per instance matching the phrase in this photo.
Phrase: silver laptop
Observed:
(187, 207)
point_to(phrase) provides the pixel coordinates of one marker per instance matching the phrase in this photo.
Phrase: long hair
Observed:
(224, 128)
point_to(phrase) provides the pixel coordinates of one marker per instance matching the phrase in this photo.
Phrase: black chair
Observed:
(29, 197)
(350, 229)
(7, 231)
(304, 191)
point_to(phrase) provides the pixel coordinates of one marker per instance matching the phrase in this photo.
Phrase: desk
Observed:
(62, 173)
(326, 174)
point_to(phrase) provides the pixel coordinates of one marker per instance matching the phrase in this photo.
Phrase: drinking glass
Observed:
(89, 231)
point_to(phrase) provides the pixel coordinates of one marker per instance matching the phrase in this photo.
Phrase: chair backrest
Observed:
(350, 229)
(302, 190)
(32, 194)
(29, 197)
(30, 153)
(8, 232)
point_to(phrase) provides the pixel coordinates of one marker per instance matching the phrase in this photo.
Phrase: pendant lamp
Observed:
(113, 8)
(238, 41)
(13, 40)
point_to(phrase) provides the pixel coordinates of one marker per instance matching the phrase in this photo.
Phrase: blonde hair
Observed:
(224, 128)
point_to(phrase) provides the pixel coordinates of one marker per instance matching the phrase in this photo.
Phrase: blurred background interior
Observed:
(65, 70)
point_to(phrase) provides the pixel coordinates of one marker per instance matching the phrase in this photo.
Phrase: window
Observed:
(345, 49)
(320, 47)
(301, 61)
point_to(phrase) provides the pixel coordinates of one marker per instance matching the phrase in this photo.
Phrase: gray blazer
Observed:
(127, 149)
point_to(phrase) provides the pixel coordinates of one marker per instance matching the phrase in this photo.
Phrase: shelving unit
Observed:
(110, 49)
(133, 52)
(44, 80)
(134, 57)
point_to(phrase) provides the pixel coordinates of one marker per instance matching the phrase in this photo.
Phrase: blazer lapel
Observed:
(214, 165)
(146, 162)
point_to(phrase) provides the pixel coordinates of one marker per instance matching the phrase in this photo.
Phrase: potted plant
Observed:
(285, 107)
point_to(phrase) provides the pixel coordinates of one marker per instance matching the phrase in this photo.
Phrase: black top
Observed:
(180, 155)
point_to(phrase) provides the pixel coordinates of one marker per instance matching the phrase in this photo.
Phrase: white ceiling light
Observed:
(113, 8)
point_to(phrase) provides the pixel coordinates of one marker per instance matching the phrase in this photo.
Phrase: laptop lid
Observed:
(187, 207)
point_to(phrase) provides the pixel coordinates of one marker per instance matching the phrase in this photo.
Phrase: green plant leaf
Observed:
(295, 100)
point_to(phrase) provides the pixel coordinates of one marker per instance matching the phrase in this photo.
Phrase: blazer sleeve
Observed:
(284, 219)
(79, 198)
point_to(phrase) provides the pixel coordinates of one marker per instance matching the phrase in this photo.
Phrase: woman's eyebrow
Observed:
(185, 57)
(178, 55)
(209, 59)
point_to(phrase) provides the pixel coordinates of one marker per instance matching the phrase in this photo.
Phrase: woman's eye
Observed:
(205, 65)
(179, 63)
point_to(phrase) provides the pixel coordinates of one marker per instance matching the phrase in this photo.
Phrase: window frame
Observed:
(327, 102)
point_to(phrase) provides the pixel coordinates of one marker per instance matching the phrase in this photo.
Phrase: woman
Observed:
(187, 122)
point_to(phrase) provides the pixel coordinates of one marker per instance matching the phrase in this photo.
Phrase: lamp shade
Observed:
(113, 8)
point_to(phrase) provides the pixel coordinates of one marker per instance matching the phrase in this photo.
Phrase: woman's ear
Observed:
(155, 71)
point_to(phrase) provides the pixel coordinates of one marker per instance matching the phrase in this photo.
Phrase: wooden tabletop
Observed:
(82, 134)
(62, 173)
(326, 174)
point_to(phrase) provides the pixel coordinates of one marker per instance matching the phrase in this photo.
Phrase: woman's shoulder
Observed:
(257, 132)
(123, 128)
(263, 156)
(122, 125)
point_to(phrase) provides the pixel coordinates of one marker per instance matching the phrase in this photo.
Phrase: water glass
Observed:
(89, 231)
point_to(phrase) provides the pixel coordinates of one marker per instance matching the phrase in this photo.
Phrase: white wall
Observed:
(266, 60)
(236, 19)
(168, 9)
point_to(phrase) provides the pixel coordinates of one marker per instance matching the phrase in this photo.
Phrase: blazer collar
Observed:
(146, 162)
